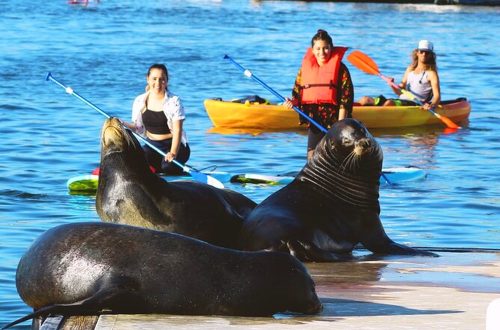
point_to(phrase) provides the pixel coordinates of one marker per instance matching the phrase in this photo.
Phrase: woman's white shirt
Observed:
(172, 107)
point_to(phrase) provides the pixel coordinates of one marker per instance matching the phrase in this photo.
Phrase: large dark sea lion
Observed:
(94, 267)
(129, 193)
(332, 204)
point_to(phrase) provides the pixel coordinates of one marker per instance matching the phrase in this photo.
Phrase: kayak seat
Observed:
(251, 99)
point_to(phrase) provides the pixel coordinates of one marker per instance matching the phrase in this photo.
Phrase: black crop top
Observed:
(155, 122)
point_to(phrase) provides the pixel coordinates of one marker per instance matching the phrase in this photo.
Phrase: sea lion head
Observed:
(119, 143)
(349, 136)
(115, 138)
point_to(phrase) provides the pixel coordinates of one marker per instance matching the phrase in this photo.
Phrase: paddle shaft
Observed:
(249, 74)
(70, 91)
(401, 90)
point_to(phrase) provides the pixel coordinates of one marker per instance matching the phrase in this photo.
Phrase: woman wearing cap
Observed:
(158, 114)
(420, 79)
(323, 88)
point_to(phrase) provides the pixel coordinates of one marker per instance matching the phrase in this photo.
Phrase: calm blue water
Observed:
(103, 53)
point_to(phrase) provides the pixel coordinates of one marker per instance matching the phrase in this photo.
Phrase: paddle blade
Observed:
(447, 121)
(448, 130)
(203, 178)
(363, 62)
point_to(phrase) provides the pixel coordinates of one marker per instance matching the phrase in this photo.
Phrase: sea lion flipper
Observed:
(396, 248)
(384, 245)
(44, 311)
(22, 319)
(305, 251)
(111, 289)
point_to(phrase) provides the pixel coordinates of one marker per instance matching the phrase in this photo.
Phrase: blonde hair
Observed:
(431, 64)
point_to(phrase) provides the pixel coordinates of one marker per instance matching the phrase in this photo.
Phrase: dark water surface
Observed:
(103, 53)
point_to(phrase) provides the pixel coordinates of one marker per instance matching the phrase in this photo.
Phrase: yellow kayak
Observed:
(262, 116)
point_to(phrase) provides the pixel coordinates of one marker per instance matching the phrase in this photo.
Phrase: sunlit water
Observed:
(103, 52)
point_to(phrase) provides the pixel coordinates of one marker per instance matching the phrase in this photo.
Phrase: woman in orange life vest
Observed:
(323, 88)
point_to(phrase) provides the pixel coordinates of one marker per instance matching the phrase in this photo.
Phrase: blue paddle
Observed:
(249, 74)
(197, 176)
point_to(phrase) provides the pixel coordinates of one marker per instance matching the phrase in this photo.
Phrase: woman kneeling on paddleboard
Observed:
(420, 79)
(158, 114)
(323, 88)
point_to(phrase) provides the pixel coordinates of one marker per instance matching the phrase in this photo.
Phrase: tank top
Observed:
(155, 122)
(418, 85)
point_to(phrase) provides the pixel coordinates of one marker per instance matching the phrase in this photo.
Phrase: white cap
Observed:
(425, 45)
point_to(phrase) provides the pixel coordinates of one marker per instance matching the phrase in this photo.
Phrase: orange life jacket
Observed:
(320, 84)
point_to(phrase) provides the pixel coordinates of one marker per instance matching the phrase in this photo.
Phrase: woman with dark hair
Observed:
(323, 88)
(158, 115)
(420, 79)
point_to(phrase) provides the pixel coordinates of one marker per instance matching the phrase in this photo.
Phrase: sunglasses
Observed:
(424, 51)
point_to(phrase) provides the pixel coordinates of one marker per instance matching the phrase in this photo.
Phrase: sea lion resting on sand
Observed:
(129, 193)
(332, 204)
(93, 268)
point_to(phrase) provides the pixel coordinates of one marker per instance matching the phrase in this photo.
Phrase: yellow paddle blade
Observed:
(363, 62)
(410, 96)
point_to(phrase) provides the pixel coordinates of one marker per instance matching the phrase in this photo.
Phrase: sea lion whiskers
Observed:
(348, 162)
(362, 146)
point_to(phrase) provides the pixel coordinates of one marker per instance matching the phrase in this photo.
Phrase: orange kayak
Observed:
(253, 115)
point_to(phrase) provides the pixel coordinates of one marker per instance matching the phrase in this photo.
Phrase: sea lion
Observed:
(93, 268)
(332, 204)
(129, 193)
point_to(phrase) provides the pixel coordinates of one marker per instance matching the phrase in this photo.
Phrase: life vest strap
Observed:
(331, 85)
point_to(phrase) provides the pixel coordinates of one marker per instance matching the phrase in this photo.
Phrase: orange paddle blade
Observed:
(363, 62)
(447, 121)
(448, 130)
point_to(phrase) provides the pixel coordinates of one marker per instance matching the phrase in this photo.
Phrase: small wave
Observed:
(22, 194)
(14, 107)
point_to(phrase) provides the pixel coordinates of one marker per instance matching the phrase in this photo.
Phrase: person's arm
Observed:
(129, 125)
(176, 140)
(347, 94)
(436, 91)
(136, 123)
(294, 101)
(402, 84)
(175, 116)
